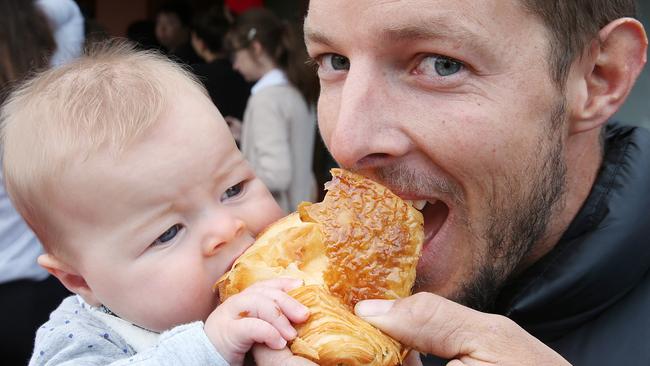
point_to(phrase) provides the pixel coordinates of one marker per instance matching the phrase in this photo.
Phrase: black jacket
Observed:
(227, 88)
(589, 298)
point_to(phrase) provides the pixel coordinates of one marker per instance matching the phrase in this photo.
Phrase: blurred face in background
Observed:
(170, 31)
(245, 61)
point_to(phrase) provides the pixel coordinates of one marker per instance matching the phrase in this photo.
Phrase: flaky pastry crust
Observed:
(361, 242)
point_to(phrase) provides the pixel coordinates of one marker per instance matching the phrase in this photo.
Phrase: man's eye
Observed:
(335, 62)
(439, 66)
(168, 235)
(232, 191)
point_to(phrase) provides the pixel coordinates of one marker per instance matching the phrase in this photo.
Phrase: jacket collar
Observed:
(603, 254)
(272, 78)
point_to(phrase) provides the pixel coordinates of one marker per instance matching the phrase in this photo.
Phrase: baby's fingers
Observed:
(272, 306)
(253, 330)
(275, 290)
(281, 283)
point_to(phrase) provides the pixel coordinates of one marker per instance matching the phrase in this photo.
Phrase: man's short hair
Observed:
(102, 101)
(573, 25)
(211, 27)
(180, 8)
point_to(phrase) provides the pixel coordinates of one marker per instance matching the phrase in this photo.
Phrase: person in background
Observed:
(143, 34)
(67, 23)
(173, 31)
(278, 129)
(27, 293)
(227, 88)
(234, 8)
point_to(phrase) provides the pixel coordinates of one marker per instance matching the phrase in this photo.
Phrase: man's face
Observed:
(449, 102)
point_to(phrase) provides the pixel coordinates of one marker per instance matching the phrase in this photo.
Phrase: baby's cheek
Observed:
(193, 300)
(265, 212)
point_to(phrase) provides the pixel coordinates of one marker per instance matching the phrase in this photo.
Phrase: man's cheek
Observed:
(327, 117)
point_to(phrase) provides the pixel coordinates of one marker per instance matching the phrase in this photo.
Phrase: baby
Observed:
(128, 174)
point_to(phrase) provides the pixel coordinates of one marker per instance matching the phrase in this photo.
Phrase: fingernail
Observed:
(373, 307)
(304, 311)
(293, 283)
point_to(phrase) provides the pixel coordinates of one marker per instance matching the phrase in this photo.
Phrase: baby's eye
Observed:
(232, 191)
(168, 235)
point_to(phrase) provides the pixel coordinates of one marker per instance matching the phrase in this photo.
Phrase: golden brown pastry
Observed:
(360, 242)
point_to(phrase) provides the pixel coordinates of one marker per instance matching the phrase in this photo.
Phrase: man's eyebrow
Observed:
(412, 32)
(316, 37)
(432, 30)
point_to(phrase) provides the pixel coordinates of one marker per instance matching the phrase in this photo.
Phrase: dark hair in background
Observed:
(180, 8)
(279, 40)
(143, 34)
(211, 27)
(572, 25)
(26, 41)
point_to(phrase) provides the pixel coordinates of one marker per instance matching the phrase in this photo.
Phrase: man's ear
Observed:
(68, 276)
(607, 73)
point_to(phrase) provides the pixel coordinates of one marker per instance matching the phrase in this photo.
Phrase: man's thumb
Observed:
(425, 322)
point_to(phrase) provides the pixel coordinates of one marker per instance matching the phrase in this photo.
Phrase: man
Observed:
(227, 88)
(495, 113)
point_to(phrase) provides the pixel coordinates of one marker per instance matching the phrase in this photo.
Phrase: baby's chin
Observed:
(173, 320)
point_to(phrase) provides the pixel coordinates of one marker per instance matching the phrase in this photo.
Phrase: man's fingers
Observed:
(426, 322)
(455, 363)
(265, 356)
(413, 359)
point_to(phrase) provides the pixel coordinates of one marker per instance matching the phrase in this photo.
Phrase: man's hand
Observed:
(432, 324)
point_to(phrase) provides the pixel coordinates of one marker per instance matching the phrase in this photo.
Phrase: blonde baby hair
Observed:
(104, 101)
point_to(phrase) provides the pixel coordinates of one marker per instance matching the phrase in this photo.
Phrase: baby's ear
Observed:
(68, 276)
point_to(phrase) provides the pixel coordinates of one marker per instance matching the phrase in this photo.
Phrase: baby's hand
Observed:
(260, 314)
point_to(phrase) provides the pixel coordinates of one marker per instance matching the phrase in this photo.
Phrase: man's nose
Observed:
(221, 232)
(366, 125)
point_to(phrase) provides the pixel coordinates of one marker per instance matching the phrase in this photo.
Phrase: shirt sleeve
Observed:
(271, 138)
(68, 344)
(184, 345)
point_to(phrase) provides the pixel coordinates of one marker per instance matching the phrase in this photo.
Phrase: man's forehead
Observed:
(486, 26)
(393, 21)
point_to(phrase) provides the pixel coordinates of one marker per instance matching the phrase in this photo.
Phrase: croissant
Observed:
(361, 242)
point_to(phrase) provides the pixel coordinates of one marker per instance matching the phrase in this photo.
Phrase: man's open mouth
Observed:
(435, 213)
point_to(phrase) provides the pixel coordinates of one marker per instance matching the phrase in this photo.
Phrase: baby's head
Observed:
(129, 176)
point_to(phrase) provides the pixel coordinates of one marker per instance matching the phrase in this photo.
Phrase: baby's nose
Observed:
(223, 233)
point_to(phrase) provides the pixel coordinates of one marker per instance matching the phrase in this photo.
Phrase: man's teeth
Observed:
(419, 204)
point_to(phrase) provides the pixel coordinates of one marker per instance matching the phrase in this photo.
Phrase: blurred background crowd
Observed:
(249, 55)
